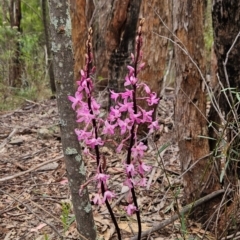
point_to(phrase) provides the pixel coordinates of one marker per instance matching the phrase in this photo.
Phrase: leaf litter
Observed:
(36, 138)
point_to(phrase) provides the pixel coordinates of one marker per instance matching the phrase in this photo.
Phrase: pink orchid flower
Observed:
(138, 151)
(75, 100)
(97, 199)
(130, 80)
(127, 94)
(152, 99)
(153, 127)
(124, 125)
(142, 168)
(129, 182)
(94, 142)
(130, 169)
(114, 95)
(102, 177)
(131, 209)
(108, 195)
(108, 128)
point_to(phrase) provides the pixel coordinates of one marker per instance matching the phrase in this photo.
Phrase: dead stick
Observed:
(14, 131)
(185, 210)
(30, 170)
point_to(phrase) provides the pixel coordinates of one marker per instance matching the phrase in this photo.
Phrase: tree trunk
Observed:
(4, 10)
(60, 28)
(155, 46)
(15, 21)
(79, 10)
(45, 16)
(190, 107)
(114, 29)
(226, 26)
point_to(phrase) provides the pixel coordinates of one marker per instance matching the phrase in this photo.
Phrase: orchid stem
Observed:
(97, 152)
(138, 54)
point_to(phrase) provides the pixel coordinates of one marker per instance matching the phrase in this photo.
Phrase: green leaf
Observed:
(228, 89)
(163, 147)
(223, 171)
(206, 137)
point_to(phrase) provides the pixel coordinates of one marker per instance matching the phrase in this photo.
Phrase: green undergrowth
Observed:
(11, 98)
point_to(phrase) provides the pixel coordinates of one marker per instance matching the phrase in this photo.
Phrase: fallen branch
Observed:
(30, 170)
(185, 210)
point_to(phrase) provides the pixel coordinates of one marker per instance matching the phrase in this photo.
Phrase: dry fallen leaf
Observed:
(109, 232)
(64, 181)
(40, 226)
(129, 227)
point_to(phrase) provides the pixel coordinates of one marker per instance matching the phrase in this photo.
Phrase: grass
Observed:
(11, 98)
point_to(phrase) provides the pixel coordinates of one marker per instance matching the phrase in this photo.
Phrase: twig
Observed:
(227, 79)
(154, 170)
(14, 131)
(29, 209)
(17, 164)
(185, 210)
(30, 170)
(220, 205)
(30, 155)
(235, 235)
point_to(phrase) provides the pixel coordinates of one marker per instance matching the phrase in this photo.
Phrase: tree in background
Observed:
(33, 80)
(60, 29)
(15, 16)
(45, 17)
(200, 176)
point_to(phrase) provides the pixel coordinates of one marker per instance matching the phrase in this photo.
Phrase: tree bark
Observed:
(157, 14)
(114, 29)
(226, 24)
(190, 107)
(45, 16)
(79, 10)
(60, 29)
(226, 46)
(15, 21)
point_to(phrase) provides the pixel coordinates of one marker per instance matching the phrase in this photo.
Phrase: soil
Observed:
(35, 202)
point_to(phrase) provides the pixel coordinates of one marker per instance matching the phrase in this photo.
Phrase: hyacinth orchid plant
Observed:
(125, 117)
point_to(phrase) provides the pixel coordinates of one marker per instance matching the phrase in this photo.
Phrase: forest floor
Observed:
(35, 201)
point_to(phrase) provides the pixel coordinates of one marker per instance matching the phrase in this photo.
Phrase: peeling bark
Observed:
(60, 29)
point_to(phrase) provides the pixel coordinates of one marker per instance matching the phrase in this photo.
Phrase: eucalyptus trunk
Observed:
(200, 176)
(60, 28)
